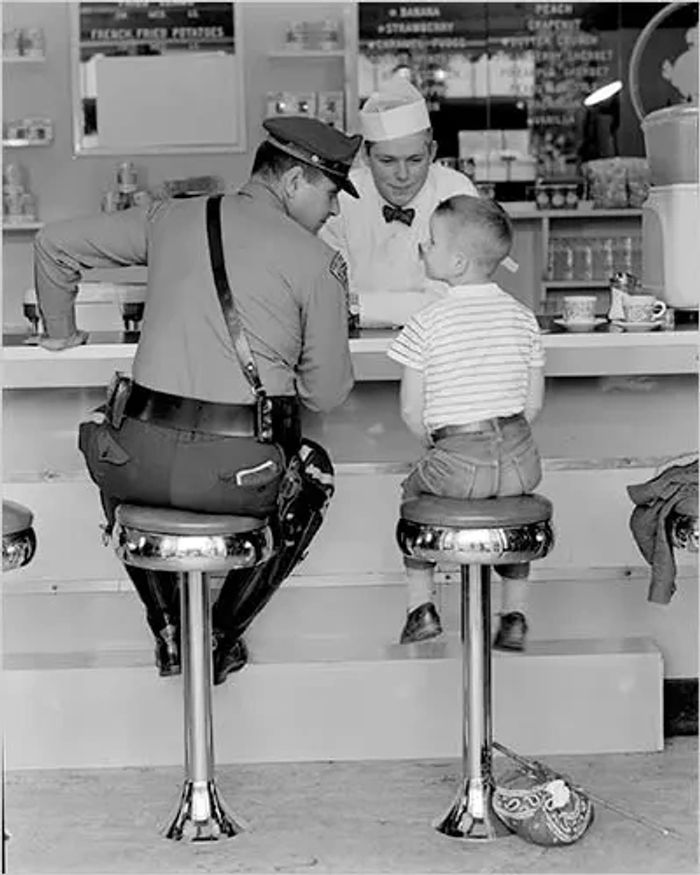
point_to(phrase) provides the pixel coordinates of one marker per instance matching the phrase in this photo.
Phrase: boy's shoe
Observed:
(422, 623)
(512, 632)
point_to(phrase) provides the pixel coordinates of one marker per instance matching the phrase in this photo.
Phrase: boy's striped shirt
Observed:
(475, 348)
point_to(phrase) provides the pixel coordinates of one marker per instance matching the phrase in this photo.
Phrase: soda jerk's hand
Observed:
(56, 344)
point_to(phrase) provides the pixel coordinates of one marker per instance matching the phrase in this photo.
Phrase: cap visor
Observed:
(347, 186)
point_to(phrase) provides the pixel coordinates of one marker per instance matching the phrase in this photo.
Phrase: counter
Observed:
(606, 351)
(617, 407)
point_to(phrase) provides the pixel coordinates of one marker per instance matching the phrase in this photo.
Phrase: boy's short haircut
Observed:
(481, 228)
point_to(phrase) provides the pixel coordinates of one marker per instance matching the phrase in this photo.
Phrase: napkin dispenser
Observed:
(623, 286)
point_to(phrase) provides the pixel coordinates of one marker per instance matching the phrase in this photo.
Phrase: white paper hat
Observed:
(397, 110)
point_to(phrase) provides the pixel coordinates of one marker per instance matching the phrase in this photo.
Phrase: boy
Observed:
(473, 381)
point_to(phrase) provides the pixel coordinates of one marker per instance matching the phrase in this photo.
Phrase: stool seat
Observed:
(18, 537)
(164, 539)
(486, 531)
(15, 518)
(168, 521)
(482, 513)
(683, 530)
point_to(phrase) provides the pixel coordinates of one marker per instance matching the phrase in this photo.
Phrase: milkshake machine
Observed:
(671, 213)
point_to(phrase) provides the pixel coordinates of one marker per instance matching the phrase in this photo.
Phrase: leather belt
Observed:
(473, 427)
(210, 417)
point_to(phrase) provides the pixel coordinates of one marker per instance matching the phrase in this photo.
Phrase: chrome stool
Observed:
(18, 538)
(476, 535)
(18, 548)
(195, 545)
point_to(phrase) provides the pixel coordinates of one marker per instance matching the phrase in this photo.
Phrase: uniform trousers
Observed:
(150, 464)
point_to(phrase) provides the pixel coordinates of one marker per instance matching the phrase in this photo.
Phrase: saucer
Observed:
(580, 327)
(638, 326)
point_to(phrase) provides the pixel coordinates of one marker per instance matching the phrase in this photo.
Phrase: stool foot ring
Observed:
(472, 816)
(201, 815)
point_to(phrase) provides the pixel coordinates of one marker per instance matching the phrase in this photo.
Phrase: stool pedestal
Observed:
(200, 815)
(471, 816)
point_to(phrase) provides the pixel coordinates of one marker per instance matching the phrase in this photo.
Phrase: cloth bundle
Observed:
(545, 810)
(674, 490)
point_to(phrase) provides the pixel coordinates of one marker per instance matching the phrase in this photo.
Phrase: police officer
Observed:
(184, 433)
(399, 187)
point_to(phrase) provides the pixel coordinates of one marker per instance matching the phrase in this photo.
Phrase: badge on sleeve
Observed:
(339, 269)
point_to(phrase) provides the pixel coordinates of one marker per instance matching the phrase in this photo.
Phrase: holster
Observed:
(118, 393)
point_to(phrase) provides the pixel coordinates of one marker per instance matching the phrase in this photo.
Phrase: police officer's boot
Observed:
(230, 655)
(159, 592)
(237, 604)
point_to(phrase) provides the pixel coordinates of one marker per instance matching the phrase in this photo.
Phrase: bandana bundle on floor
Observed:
(543, 809)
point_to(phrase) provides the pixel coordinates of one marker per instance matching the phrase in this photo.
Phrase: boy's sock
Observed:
(420, 586)
(515, 596)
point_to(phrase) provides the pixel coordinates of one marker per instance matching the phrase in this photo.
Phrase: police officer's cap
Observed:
(316, 144)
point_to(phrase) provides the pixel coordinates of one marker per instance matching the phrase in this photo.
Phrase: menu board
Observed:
(569, 64)
(157, 77)
(542, 57)
(437, 43)
(155, 28)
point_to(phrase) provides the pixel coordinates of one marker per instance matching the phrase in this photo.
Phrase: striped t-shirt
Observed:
(475, 347)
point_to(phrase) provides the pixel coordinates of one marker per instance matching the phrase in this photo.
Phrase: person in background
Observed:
(183, 434)
(399, 186)
(472, 382)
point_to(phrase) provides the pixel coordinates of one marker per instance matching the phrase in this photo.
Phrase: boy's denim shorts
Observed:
(501, 460)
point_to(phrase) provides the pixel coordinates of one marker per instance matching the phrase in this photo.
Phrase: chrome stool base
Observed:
(472, 816)
(201, 815)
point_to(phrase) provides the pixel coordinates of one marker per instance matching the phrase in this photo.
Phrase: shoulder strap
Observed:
(231, 316)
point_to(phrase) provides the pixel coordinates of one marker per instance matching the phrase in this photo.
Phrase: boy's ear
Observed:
(460, 262)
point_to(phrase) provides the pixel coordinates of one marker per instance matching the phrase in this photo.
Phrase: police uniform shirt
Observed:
(288, 286)
(383, 256)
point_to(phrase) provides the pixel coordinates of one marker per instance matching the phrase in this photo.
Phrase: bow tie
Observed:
(398, 214)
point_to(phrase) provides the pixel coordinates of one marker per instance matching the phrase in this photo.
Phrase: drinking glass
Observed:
(567, 260)
(583, 259)
(562, 259)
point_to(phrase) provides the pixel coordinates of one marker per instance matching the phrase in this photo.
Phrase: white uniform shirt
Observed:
(383, 256)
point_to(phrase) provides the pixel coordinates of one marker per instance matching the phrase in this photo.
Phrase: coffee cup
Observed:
(643, 308)
(579, 308)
